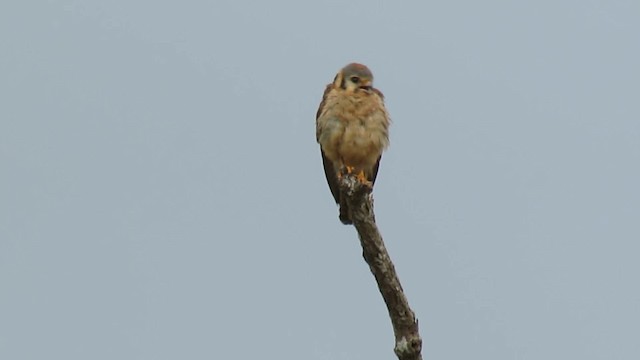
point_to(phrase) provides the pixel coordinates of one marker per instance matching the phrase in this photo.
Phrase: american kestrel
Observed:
(352, 128)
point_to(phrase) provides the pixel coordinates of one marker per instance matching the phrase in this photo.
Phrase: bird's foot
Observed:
(362, 178)
(345, 170)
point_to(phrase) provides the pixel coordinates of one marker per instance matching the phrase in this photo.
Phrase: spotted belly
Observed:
(357, 144)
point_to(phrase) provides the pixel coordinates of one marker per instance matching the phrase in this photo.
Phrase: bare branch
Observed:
(405, 325)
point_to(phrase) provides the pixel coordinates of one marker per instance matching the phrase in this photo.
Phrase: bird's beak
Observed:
(366, 85)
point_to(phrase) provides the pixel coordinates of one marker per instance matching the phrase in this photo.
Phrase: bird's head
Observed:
(354, 77)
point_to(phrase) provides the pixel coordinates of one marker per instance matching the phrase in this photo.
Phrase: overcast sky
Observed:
(162, 194)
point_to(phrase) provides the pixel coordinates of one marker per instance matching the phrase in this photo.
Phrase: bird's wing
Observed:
(374, 173)
(332, 177)
(321, 109)
(329, 170)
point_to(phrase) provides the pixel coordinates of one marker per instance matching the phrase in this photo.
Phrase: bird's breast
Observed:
(355, 131)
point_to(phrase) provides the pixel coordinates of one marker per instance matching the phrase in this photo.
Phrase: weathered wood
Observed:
(408, 344)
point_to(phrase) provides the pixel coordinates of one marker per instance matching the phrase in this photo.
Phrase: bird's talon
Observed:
(362, 178)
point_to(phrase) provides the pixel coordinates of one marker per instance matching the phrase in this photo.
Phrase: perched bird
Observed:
(352, 128)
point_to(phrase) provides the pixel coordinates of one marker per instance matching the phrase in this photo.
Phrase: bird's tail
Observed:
(344, 216)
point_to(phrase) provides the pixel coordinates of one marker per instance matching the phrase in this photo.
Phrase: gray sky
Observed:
(162, 194)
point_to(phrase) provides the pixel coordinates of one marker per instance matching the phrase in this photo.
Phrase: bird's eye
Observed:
(355, 79)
